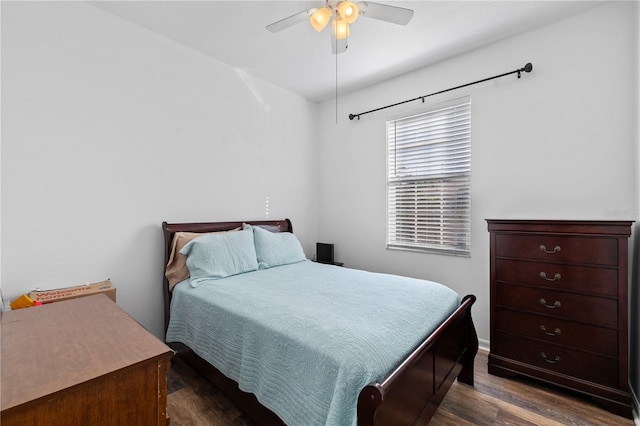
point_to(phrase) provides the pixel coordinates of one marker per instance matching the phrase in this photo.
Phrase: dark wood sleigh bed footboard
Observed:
(408, 395)
(413, 391)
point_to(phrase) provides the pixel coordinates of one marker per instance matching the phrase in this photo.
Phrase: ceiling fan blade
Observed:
(290, 21)
(337, 46)
(385, 12)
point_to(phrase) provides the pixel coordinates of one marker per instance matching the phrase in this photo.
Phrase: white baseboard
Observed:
(483, 345)
(635, 403)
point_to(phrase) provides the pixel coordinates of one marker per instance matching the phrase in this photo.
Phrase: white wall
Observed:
(559, 143)
(109, 129)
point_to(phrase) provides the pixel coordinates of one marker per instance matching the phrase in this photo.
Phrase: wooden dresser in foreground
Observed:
(559, 295)
(81, 362)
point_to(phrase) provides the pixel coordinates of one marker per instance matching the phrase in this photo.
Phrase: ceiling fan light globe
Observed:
(348, 11)
(320, 18)
(340, 28)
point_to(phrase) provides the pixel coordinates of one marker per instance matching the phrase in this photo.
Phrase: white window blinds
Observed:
(428, 179)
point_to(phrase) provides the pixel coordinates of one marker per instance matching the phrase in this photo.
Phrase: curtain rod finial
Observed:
(526, 68)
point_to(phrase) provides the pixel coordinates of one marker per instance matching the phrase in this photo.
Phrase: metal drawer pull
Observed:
(556, 359)
(556, 332)
(556, 304)
(543, 248)
(555, 277)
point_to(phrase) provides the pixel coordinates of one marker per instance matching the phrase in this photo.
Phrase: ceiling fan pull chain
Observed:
(336, 41)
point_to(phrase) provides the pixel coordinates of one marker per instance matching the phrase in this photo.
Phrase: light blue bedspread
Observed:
(305, 338)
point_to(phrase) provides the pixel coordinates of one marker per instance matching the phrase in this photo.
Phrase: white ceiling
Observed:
(300, 60)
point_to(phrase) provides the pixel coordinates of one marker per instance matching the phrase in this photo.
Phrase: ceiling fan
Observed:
(341, 14)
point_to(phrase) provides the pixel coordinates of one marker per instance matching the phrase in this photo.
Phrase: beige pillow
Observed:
(177, 270)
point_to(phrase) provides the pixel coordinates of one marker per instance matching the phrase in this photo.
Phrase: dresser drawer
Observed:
(582, 279)
(590, 309)
(558, 359)
(557, 248)
(557, 331)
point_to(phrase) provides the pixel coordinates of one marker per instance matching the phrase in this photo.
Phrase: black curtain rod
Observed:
(526, 68)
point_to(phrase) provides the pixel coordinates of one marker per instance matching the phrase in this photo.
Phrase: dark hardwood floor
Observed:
(492, 401)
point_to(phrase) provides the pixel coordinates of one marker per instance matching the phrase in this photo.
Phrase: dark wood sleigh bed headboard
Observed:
(169, 230)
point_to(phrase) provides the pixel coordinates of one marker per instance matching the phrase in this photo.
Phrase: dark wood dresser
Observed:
(559, 305)
(81, 362)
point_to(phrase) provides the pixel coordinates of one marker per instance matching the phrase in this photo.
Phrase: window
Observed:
(428, 180)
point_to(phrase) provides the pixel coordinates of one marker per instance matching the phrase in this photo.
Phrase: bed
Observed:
(237, 329)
